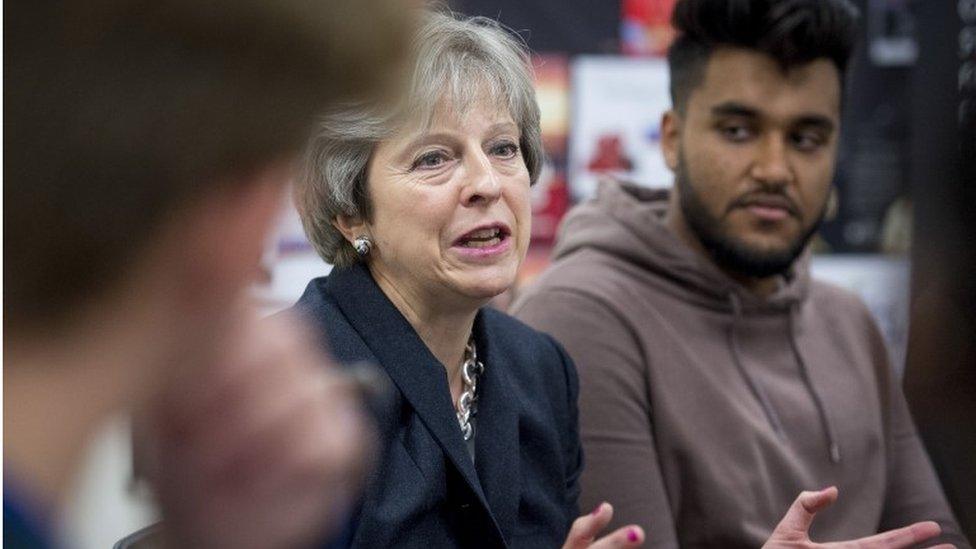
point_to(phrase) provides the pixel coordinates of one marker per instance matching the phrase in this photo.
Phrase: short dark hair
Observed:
(793, 32)
(118, 113)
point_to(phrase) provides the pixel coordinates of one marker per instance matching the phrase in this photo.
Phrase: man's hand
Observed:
(793, 531)
(585, 529)
(266, 449)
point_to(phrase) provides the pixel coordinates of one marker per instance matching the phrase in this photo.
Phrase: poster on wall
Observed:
(617, 107)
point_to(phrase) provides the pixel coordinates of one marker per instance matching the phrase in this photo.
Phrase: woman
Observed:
(425, 215)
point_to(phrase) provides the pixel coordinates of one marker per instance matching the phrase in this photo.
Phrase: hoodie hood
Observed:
(630, 222)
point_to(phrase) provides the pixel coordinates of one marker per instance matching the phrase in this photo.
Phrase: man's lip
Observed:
(766, 213)
(768, 203)
(503, 231)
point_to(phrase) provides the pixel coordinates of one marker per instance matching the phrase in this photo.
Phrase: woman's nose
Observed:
(481, 185)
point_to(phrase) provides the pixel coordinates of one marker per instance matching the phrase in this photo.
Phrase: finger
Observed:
(312, 468)
(295, 515)
(277, 362)
(586, 527)
(257, 352)
(236, 418)
(325, 428)
(628, 536)
(325, 448)
(264, 418)
(323, 486)
(796, 523)
(902, 537)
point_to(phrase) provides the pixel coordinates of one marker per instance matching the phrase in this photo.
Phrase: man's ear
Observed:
(671, 138)
(351, 226)
(225, 233)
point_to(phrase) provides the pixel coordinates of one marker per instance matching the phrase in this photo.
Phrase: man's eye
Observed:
(807, 141)
(432, 159)
(736, 133)
(505, 150)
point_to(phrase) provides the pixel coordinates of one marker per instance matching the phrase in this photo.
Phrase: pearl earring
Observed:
(363, 245)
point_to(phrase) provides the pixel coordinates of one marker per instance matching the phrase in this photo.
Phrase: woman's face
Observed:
(451, 213)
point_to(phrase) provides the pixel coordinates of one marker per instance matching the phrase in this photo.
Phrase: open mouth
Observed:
(486, 237)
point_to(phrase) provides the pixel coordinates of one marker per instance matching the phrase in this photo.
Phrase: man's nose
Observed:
(772, 164)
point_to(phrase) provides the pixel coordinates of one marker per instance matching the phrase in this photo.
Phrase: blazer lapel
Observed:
(496, 431)
(418, 375)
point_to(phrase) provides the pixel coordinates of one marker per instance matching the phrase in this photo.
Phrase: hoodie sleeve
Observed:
(615, 410)
(913, 490)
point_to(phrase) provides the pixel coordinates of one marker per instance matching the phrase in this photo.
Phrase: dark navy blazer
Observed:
(522, 487)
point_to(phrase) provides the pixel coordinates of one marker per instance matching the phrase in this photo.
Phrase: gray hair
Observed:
(459, 60)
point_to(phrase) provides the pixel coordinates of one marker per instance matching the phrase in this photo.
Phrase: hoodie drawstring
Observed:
(757, 389)
(832, 447)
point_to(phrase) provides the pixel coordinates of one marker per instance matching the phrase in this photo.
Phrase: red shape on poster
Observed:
(609, 155)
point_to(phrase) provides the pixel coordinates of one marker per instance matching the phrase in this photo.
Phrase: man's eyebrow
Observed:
(731, 108)
(816, 120)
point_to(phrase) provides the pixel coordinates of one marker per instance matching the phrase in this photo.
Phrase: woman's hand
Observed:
(793, 531)
(585, 529)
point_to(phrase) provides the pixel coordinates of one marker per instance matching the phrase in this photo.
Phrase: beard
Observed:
(730, 253)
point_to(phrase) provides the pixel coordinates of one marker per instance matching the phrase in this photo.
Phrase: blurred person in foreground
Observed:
(717, 379)
(424, 211)
(147, 148)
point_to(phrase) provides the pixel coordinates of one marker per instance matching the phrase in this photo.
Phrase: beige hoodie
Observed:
(705, 409)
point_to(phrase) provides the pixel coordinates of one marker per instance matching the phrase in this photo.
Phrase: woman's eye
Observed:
(505, 150)
(432, 159)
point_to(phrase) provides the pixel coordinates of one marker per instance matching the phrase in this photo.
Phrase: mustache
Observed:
(767, 199)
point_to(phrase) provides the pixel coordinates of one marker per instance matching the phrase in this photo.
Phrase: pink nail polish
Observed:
(597, 510)
(631, 535)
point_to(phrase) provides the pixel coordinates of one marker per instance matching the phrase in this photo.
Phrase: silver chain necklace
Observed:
(467, 402)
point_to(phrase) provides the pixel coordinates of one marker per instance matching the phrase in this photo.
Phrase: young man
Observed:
(717, 379)
(147, 147)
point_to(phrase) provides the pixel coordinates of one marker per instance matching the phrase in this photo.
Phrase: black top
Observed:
(522, 488)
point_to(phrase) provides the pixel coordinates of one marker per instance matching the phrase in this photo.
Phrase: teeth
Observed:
(482, 243)
(484, 233)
